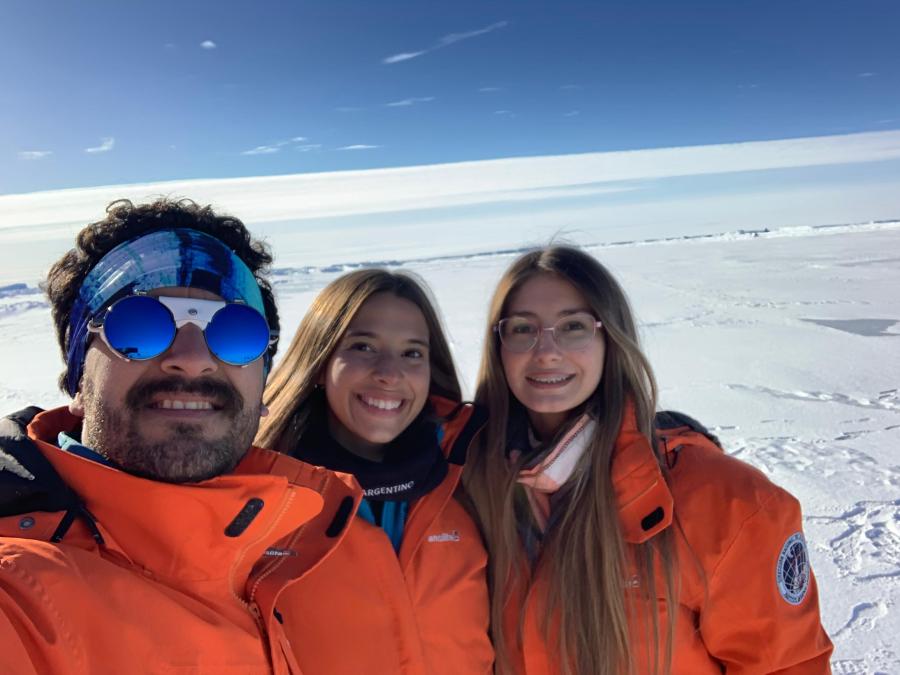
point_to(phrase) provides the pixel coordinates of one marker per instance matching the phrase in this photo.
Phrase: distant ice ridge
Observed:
(14, 289)
(30, 297)
(18, 298)
(288, 274)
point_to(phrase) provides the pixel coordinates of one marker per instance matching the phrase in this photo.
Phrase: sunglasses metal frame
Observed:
(183, 311)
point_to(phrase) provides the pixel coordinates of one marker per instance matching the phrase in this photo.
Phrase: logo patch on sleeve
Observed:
(792, 572)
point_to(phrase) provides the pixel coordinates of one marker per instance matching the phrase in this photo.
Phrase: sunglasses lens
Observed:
(139, 327)
(237, 335)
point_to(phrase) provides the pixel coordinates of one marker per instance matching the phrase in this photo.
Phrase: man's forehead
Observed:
(184, 292)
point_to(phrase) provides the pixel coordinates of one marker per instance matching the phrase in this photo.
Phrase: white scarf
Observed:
(552, 472)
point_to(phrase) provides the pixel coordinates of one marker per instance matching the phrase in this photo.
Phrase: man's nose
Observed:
(189, 356)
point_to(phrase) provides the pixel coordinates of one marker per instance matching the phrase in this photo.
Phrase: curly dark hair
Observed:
(125, 221)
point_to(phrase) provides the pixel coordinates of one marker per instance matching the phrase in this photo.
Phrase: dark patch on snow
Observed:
(864, 327)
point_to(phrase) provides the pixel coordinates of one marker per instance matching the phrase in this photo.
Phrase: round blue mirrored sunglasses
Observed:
(141, 327)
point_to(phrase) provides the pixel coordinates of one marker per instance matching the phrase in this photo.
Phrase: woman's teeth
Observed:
(557, 379)
(381, 404)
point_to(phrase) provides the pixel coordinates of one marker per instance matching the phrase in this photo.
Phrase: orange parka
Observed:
(368, 609)
(743, 604)
(145, 576)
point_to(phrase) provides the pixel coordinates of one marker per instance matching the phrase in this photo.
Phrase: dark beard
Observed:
(187, 455)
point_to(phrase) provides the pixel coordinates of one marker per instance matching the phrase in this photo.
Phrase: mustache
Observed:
(222, 393)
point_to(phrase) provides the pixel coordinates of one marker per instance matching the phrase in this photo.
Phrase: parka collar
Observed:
(205, 535)
(644, 500)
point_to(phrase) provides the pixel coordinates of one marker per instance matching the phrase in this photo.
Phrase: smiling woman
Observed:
(621, 540)
(368, 387)
(377, 381)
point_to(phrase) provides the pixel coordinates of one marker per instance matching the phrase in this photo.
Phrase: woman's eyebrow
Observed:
(375, 336)
(562, 312)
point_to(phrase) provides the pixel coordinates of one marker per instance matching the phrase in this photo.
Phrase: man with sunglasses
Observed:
(139, 530)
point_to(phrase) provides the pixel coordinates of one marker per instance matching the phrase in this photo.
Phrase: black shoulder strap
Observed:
(28, 482)
(477, 419)
(672, 419)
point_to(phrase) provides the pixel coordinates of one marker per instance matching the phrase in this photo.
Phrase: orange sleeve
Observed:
(14, 655)
(761, 614)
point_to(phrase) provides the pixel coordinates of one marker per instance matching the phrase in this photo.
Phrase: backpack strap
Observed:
(670, 420)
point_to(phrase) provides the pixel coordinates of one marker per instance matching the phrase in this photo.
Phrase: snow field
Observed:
(785, 343)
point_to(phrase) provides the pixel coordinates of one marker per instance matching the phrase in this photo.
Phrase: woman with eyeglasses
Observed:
(368, 387)
(621, 540)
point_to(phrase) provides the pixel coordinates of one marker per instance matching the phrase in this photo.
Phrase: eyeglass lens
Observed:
(521, 334)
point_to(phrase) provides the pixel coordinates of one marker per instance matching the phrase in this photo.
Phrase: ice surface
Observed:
(782, 341)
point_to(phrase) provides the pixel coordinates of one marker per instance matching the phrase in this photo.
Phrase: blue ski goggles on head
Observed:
(142, 327)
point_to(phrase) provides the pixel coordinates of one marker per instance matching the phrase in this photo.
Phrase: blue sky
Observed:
(110, 92)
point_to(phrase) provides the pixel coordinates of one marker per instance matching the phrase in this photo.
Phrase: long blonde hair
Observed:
(291, 384)
(583, 556)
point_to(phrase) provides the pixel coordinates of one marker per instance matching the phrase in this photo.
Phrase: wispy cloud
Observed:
(487, 90)
(309, 147)
(208, 44)
(504, 113)
(262, 150)
(453, 38)
(409, 101)
(752, 85)
(106, 144)
(272, 148)
(347, 109)
(35, 154)
(572, 113)
(405, 56)
(445, 41)
(359, 146)
(867, 75)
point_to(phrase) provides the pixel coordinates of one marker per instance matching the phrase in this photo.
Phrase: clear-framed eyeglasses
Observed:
(570, 333)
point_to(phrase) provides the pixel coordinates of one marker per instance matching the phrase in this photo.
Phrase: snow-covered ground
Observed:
(785, 342)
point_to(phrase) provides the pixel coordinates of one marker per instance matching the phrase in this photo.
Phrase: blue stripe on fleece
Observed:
(393, 519)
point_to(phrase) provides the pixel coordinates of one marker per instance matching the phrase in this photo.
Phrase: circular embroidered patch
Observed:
(792, 572)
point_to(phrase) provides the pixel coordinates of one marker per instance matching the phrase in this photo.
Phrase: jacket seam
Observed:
(284, 507)
(759, 509)
(739, 532)
(270, 569)
(11, 567)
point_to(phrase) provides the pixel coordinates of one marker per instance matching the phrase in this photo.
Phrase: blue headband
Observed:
(164, 258)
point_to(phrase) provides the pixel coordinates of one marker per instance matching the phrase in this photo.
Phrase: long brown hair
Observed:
(292, 383)
(583, 556)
